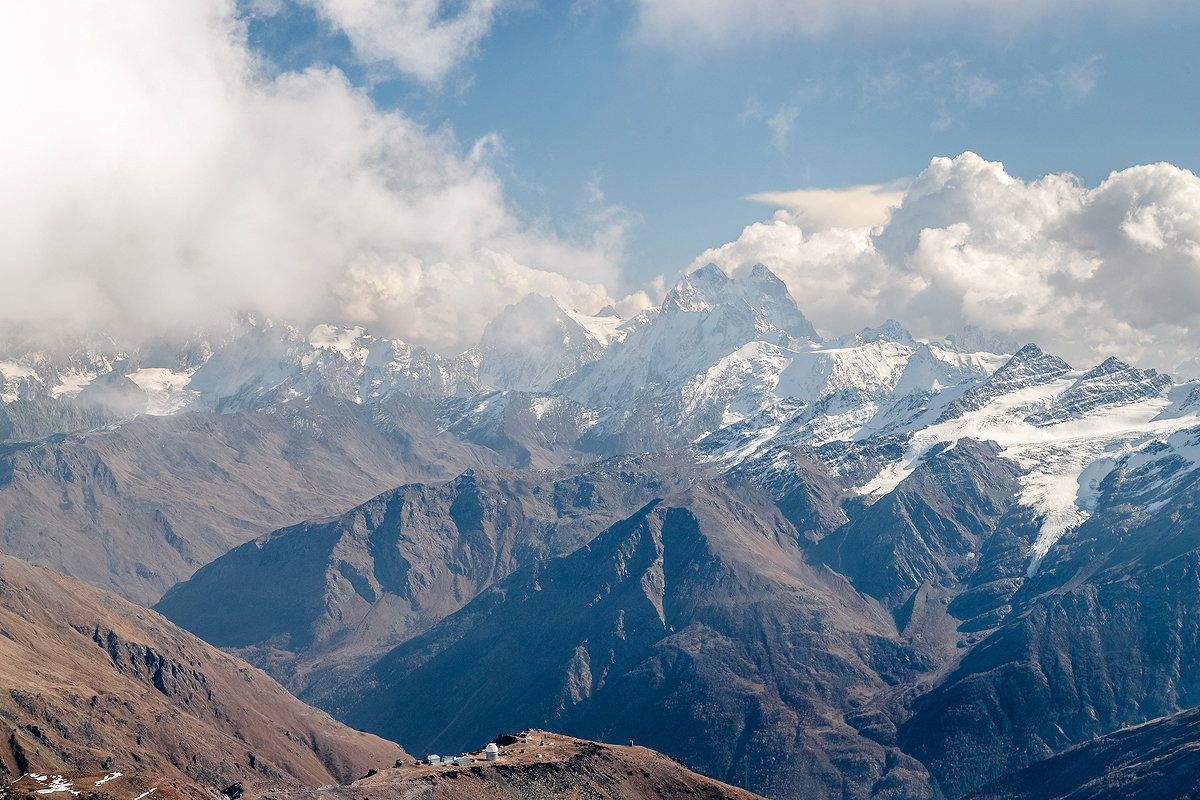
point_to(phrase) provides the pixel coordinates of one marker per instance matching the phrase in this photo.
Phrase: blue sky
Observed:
(594, 114)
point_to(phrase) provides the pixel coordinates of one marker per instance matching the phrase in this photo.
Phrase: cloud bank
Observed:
(1085, 272)
(156, 179)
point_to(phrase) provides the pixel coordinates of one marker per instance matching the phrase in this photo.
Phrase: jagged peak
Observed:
(710, 273)
(1031, 354)
(760, 289)
(1115, 366)
(761, 276)
(1030, 364)
(699, 290)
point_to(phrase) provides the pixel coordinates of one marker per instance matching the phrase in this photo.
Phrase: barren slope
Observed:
(92, 682)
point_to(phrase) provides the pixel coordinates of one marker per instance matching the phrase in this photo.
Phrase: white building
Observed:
(492, 751)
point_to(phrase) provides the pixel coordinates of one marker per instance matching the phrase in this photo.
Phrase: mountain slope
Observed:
(1104, 635)
(93, 682)
(533, 343)
(695, 626)
(139, 508)
(317, 599)
(1155, 761)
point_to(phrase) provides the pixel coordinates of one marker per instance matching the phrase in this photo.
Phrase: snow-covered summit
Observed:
(706, 317)
(709, 289)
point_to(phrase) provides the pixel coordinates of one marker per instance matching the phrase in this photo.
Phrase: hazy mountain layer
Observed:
(140, 507)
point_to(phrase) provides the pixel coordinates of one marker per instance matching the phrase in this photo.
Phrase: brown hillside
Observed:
(92, 682)
(544, 766)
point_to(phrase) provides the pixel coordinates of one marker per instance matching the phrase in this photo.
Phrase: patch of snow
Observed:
(738, 455)
(1064, 463)
(57, 784)
(743, 382)
(166, 391)
(547, 404)
(874, 368)
(13, 373)
(108, 777)
(72, 383)
(145, 794)
(605, 329)
(344, 340)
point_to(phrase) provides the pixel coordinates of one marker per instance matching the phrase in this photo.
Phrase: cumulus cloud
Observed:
(687, 23)
(423, 38)
(155, 178)
(1084, 271)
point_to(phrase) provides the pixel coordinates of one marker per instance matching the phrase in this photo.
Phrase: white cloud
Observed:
(781, 124)
(683, 24)
(1079, 79)
(1085, 272)
(154, 178)
(942, 121)
(423, 38)
(974, 90)
(821, 209)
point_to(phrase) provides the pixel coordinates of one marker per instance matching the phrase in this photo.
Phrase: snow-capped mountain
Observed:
(912, 505)
(706, 317)
(728, 366)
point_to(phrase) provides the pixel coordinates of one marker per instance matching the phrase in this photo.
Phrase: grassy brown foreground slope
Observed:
(539, 766)
(90, 682)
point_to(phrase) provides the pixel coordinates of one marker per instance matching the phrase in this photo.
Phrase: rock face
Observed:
(92, 682)
(1103, 636)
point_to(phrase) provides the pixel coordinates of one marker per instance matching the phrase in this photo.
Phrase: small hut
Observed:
(432, 759)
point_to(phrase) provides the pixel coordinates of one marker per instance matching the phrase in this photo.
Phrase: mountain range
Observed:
(864, 567)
